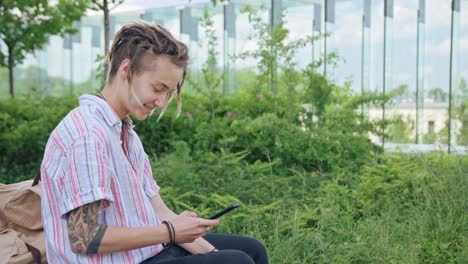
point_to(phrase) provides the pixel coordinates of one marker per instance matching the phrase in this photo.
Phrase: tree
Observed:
(403, 92)
(274, 52)
(25, 25)
(462, 113)
(399, 129)
(105, 6)
(211, 76)
(438, 95)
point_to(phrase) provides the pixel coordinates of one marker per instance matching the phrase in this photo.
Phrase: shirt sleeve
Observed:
(85, 177)
(149, 184)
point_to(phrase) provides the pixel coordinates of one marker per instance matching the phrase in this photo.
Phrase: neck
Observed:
(111, 96)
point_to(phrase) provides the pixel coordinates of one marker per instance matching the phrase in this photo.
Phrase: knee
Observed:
(258, 251)
(235, 256)
(255, 246)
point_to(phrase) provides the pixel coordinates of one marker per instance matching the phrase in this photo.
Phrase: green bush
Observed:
(25, 126)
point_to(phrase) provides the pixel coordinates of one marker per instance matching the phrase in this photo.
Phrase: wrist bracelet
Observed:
(171, 239)
(173, 233)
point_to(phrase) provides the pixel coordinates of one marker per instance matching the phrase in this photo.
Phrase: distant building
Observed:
(434, 117)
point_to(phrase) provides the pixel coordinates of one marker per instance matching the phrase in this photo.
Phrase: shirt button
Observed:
(121, 142)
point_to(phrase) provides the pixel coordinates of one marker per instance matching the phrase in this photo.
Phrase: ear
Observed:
(124, 68)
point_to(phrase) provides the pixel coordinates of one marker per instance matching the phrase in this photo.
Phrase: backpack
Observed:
(21, 230)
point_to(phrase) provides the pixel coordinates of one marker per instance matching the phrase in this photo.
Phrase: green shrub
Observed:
(25, 126)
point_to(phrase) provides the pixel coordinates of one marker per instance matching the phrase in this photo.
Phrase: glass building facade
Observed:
(417, 46)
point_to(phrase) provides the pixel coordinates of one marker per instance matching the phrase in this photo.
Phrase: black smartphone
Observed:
(224, 211)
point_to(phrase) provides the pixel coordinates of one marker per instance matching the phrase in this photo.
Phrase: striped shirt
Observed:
(87, 160)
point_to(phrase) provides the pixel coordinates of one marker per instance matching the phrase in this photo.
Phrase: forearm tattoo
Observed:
(84, 232)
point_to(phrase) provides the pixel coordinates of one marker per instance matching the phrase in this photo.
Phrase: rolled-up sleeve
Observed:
(149, 184)
(85, 176)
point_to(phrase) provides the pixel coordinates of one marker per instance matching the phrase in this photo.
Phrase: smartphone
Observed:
(224, 211)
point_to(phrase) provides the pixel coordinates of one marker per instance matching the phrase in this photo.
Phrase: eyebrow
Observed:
(163, 84)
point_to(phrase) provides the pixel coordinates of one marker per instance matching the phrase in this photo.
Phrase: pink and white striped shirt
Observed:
(84, 162)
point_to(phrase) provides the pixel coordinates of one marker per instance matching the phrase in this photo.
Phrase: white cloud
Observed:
(428, 70)
(443, 48)
(439, 49)
(404, 78)
(438, 13)
(128, 8)
(464, 45)
(348, 31)
(464, 74)
(404, 22)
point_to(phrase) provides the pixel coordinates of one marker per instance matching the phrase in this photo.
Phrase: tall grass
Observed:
(412, 209)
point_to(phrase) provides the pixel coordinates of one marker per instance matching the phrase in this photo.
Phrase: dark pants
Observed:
(232, 249)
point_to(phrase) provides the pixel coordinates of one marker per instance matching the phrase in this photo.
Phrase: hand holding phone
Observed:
(224, 211)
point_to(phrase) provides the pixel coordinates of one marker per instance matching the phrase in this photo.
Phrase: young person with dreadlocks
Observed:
(100, 203)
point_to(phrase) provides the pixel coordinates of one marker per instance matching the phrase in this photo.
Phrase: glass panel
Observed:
(419, 96)
(200, 45)
(318, 27)
(298, 20)
(388, 59)
(246, 67)
(376, 58)
(401, 71)
(346, 41)
(366, 66)
(462, 110)
(77, 64)
(328, 68)
(229, 49)
(454, 93)
(436, 75)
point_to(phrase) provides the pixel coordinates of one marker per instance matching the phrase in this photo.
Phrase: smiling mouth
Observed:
(148, 108)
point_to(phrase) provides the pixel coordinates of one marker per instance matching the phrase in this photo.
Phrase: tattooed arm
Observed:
(84, 232)
(87, 236)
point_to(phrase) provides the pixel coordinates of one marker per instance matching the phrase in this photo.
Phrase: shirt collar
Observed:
(110, 116)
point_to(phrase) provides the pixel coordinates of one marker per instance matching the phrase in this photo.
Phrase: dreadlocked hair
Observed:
(138, 41)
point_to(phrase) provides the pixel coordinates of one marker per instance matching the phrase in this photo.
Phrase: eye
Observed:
(157, 89)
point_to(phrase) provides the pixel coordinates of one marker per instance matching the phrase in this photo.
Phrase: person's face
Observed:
(154, 88)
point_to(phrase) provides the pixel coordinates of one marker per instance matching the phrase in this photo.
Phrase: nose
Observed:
(159, 102)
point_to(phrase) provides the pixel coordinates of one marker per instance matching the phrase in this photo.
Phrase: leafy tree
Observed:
(438, 95)
(211, 76)
(430, 138)
(462, 113)
(214, 2)
(403, 90)
(399, 130)
(318, 92)
(25, 25)
(274, 52)
(105, 6)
